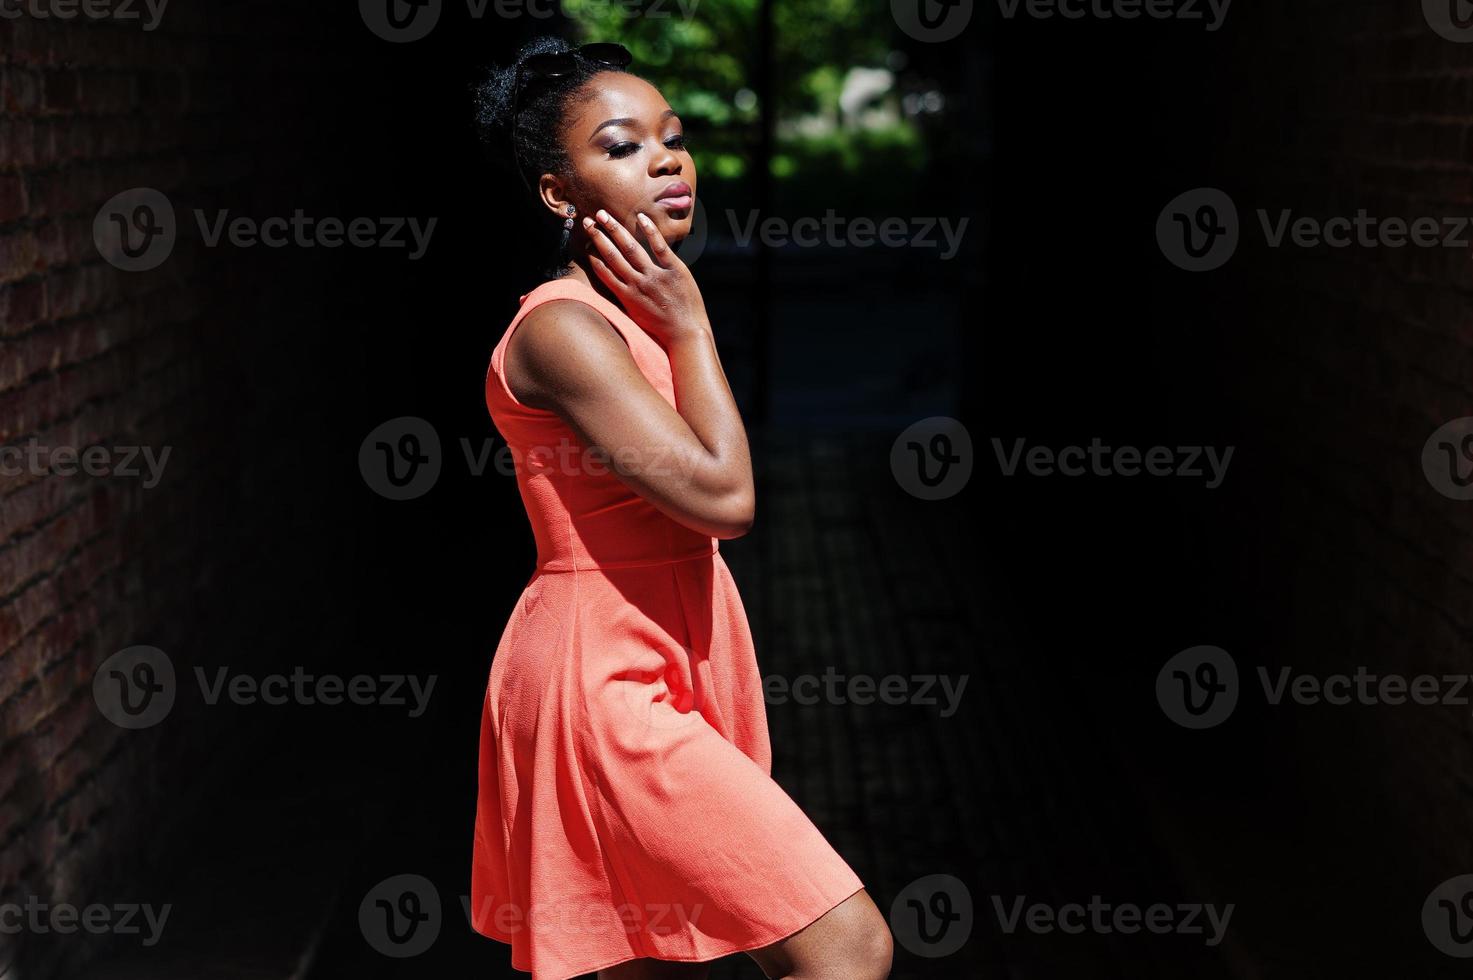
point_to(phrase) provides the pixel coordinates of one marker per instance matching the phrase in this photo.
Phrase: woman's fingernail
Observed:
(603, 215)
(644, 219)
(587, 222)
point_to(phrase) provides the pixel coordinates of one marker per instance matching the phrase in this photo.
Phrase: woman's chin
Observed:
(675, 226)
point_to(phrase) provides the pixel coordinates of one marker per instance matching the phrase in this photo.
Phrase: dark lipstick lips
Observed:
(677, 194)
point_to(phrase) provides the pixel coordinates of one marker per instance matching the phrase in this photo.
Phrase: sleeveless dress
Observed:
(626, 807)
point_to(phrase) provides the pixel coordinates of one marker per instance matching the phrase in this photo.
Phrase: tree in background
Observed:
(703, 54)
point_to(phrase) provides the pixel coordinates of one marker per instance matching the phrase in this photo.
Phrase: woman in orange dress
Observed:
(627, 822)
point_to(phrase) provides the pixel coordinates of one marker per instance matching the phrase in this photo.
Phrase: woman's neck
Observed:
(580, 271)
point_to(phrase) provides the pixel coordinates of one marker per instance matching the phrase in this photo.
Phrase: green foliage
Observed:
(702, 61)
(857, 171)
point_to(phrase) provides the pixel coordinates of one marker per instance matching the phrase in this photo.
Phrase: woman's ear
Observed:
(554, 194)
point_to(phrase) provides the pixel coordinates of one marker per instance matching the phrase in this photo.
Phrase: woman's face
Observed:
(626, 152)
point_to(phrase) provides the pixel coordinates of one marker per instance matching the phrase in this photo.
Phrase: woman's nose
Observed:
(665, 161)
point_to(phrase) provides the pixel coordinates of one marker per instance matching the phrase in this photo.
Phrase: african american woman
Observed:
(627, 821)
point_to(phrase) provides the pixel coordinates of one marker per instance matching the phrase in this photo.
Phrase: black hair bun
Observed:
(496, 93)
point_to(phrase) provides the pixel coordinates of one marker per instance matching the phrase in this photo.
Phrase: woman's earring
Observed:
(567, 231)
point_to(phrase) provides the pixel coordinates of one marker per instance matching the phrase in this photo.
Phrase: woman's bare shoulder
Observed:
(563, 345)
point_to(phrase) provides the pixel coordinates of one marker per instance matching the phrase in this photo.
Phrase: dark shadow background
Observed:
(1060, 599)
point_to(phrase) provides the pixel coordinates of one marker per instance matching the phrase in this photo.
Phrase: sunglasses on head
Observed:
(558, 64)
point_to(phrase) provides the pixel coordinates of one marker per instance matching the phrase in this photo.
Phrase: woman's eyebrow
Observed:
(625, 121)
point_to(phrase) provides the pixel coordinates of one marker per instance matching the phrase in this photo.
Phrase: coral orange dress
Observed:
(626, 807)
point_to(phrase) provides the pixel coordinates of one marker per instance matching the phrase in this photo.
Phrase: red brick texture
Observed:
(94, 356)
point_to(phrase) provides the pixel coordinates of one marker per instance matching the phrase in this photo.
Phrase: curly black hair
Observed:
(540, 113)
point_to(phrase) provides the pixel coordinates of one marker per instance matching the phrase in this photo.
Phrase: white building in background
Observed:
(867, 100)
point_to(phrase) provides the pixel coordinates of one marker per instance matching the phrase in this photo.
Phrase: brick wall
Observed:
(201, 109)
(1351, 358)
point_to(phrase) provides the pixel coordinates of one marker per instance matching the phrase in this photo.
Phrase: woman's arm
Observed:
(692, 463)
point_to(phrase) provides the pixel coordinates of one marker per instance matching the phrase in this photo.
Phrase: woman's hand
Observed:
(655, 288)
(689, 459)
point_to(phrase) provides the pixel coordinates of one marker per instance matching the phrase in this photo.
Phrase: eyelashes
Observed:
(620, 150)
